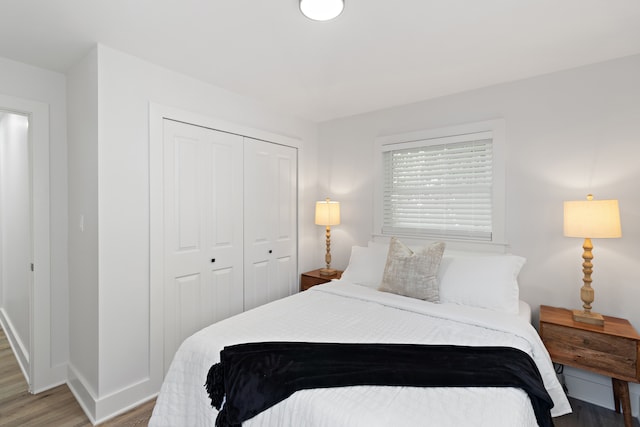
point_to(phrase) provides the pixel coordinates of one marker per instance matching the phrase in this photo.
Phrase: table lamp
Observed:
(328, 214)
(590, 219)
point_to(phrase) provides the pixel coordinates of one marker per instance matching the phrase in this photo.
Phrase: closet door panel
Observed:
(286, 272)
(188, 182)
(286, 241)
(260, 213)
(223, 295)
(203, 233)
(223, 197)
(270, 221)
(188, 293)
(254, 296)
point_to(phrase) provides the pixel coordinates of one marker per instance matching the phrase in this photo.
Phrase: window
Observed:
(446, 183)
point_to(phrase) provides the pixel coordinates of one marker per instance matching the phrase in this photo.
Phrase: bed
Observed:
(478, 306)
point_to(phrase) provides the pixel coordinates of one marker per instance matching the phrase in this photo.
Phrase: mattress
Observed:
(345, 312)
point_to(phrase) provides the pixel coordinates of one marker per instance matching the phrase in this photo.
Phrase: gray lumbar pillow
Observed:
(413, 274)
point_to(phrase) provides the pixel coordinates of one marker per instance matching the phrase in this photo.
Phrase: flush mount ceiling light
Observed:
(321, 10)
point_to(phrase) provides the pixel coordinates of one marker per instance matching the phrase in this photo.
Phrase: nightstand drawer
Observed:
(611, 355)
(307, 282)
(313, 278)
(611, 349)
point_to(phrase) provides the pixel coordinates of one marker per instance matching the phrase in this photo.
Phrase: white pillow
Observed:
(366, 266)
(489, 281)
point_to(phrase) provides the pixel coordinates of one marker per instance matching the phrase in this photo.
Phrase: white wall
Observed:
(15, 223)
(82, 128)
(25, 82)
(125, 87)
(568, 134)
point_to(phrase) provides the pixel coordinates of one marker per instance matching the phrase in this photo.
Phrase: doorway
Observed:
(16, 250)
(32, 344)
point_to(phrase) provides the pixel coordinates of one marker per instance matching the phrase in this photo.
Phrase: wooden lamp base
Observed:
(587, 293)
(328, 272)
(588, 317)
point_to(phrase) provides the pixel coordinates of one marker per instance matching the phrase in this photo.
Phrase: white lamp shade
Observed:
(321, 10)
(592, 219)
(327, 212)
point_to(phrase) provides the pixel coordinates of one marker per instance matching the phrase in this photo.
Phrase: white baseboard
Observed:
(55, 376)
(124, 399)
(44, 377)
(597, 389)
(99, 410)
(83, 392)
(19, 350)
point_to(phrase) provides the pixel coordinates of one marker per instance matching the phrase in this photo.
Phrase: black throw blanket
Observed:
(253, 377)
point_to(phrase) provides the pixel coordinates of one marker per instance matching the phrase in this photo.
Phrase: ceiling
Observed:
(375, 55)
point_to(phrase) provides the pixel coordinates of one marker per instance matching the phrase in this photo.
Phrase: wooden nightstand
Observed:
(611, 350)
(312, 278)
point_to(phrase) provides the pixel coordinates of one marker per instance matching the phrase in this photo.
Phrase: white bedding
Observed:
(343, 312)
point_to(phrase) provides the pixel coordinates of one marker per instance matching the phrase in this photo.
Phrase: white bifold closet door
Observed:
(270, 248)
(230, 227)
(203, 230)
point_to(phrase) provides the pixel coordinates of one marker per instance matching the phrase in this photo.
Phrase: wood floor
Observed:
(52, 408)
(58, 408)
(588, 415)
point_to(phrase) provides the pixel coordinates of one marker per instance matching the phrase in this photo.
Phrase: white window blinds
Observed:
(439, 187)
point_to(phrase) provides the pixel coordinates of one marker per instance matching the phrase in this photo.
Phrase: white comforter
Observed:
(342, 312)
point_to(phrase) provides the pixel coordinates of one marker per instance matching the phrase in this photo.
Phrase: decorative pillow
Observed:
(366, 266)
(412, 274)
(489, 281)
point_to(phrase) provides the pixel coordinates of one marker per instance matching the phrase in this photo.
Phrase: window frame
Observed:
(495, 127)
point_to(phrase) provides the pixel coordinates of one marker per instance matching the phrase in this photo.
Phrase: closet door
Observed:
(270, 201)
(203, 234)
